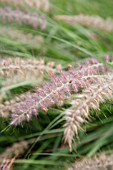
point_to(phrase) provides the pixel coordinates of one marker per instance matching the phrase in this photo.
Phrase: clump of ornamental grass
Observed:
(90, 77)
(100, 162)
(20, 17)
(91, 97)
(42, 5)
(52, 93)
(92, 21)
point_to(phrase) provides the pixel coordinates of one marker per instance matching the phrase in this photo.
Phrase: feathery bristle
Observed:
(91, 97)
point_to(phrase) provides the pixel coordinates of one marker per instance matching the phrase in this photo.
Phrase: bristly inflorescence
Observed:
(91, 97)
(7, 108)
(61, 87)
(16, 150)
(10, 67)
(93, 21)
(100, 162)
(20, 17)
(11, 153)
(43, 5)
(16, 72)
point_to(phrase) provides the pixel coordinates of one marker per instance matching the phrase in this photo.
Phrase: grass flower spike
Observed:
(60, 88)
(93, 21)
(20, 17)
(10, 67)
(43, 5)
(91, 97)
